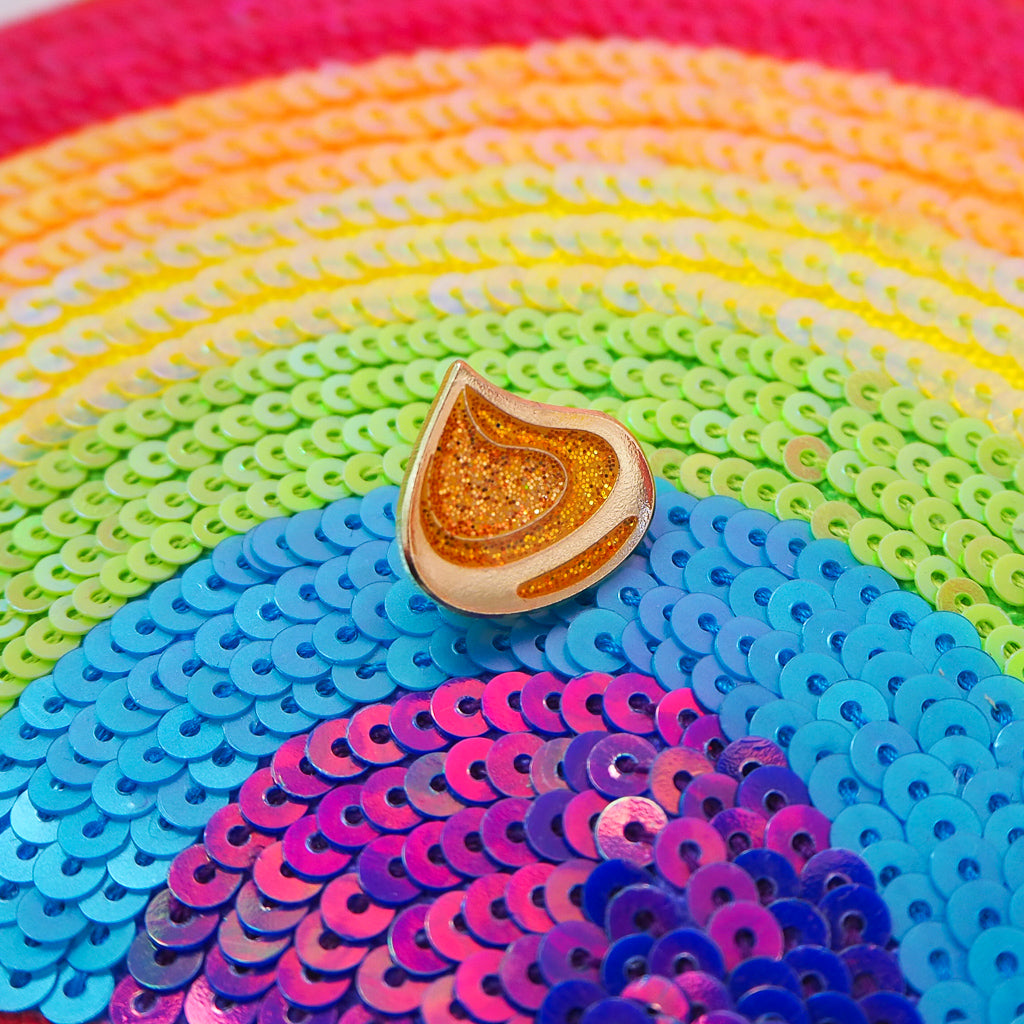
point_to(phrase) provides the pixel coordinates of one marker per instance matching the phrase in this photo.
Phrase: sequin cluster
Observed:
(522, 846)
(903, 729)
(801, 289)
(931, 496)
(103, 65)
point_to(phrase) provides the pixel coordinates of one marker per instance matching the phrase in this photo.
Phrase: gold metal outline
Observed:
(492, 590)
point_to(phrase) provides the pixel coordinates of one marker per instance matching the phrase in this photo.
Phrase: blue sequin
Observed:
(307, 616)
(202, 591)
(594, 640)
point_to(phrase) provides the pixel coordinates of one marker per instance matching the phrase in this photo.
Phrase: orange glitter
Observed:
(509, 504)
(499, 489)
(581, 566)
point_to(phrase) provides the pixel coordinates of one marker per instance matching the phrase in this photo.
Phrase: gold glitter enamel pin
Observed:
(510, 505)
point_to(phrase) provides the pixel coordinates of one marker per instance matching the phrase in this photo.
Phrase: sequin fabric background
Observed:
(773, 765)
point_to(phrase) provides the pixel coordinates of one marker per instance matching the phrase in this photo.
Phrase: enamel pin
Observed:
(509, 505)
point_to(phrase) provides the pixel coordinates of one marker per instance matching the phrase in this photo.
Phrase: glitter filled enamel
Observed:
(510, 504)
(499, 489)
(582, 565)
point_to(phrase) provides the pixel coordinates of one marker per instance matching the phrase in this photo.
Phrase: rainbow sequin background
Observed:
(241, 244)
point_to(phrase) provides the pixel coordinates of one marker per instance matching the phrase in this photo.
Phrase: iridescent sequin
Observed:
(509, 904)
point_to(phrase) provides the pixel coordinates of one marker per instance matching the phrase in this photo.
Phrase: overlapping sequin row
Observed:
(962, 301)
(517, 847)
(97, 63)
(931, 496)
(903, 729)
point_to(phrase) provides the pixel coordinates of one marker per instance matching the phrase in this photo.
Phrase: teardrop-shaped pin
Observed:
(510, 505)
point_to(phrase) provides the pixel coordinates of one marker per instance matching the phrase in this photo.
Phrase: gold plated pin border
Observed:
(532, 581)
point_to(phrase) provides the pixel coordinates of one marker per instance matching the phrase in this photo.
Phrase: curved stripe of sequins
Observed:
(456, 89)
(794, 272)
(36, 310)
(46, 345)
(906, 734)
(314, 434)
(100, 61)
(629, 852)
